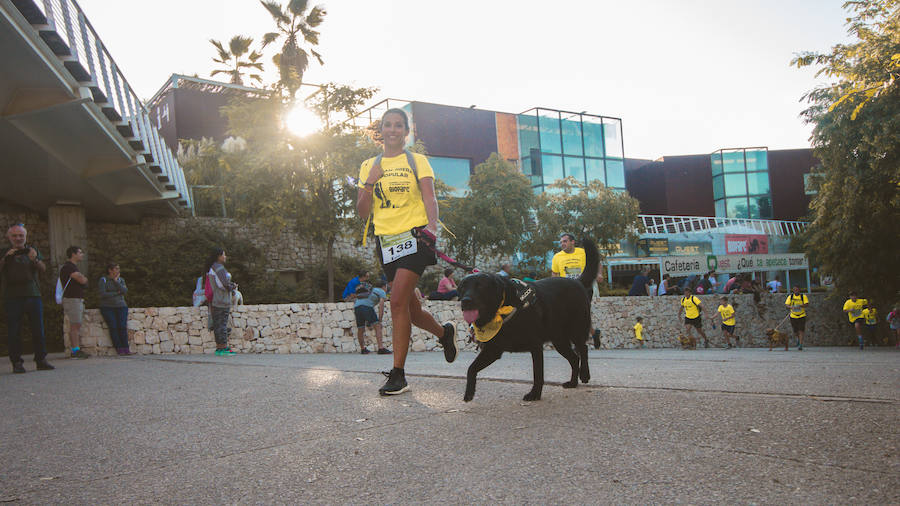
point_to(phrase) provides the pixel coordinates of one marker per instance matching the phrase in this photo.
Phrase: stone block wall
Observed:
(331, 328)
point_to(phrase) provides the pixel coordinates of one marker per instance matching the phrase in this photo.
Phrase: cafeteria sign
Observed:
(701, 264)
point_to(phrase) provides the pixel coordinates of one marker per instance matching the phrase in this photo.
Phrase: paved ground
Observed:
(653, 426)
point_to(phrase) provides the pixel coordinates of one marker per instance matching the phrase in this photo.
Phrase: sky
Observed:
(685, 76)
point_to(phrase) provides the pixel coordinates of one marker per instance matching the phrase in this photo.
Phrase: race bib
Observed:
(573, 272)
(856, 312)
(796, 309)
(397, 246)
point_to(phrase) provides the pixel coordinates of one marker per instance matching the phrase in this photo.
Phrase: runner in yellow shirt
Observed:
(692, 308)
(797, 302)
(726, 311)
(569, 262)
(854, 309)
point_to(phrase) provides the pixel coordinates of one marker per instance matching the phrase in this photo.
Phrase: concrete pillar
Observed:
(68, 227)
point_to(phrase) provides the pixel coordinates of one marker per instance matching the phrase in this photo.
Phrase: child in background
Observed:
(638, 328)
(871, 316)
(726, 310)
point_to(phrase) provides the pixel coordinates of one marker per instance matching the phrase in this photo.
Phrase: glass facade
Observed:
(557, 144)
(741, 186)
(454, 172)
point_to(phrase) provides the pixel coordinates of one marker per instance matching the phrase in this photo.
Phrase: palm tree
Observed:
(293, 21)
(231, 58)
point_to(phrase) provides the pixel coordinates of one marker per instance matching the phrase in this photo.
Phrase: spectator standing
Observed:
(220, 280)
(726, 311)
(349, 293)
(20, 267)
(663, 285)
(652, 289)
(853, 307)
(364, 310)
(641, 284)
(532, 277)
(797, 302)
(73, 297)
(713, 282)
(893, 319)
(505, 271)
(692, 307)
(774, 286)
(731, 284)
(397, 189)
(113, 308)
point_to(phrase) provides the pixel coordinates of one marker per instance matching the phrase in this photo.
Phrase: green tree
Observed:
(594, 211)
(231, 59)
(281, 178)
(296, 22)
(491, 220)
(856, 135)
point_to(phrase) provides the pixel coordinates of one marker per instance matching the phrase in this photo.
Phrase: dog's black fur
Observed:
(560, 315)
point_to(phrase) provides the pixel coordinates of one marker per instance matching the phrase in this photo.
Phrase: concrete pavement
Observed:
(652, 426)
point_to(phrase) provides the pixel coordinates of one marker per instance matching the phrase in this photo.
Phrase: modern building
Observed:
(547, 144)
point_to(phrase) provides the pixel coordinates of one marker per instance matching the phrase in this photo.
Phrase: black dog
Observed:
(555, 310)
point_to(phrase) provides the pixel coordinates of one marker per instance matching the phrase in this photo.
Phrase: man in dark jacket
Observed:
(19, 268)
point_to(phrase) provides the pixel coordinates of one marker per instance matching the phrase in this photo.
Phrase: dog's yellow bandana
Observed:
(490, 329)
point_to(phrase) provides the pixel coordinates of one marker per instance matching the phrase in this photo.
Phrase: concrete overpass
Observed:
(76, 143)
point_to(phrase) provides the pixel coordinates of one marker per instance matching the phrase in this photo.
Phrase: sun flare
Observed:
(301, 122)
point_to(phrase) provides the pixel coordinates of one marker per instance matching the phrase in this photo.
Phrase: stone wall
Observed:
(283, 250)
(330, 328)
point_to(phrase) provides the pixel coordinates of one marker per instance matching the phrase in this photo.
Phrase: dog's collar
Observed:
(526, 295)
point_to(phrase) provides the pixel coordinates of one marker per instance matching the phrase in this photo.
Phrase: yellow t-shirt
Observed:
(794, 301)
(396, 199)
(727, 313)
(856, 309)
(871, 316)
(691, 306)
(569, 265)
(638, 328)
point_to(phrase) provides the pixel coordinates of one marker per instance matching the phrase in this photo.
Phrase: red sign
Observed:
(742, 244)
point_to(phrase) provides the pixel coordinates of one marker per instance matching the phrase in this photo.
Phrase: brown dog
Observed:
(688, 342)
(776, 338)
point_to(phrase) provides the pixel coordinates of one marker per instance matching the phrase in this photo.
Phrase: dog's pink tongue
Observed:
(470, 315)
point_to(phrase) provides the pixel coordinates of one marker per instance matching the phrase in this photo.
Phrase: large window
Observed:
(591, 148)
(454, 172)
(741, 186)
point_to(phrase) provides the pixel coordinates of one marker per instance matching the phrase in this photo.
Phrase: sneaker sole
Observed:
(455, 351)
(397, 392)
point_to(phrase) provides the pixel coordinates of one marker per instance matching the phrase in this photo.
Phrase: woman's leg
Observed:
(401, 296)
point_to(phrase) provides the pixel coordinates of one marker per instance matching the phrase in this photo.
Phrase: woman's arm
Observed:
(364, 195)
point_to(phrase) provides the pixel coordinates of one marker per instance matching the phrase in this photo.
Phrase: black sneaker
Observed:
(395, 384)
(384, 351)
(43, 365)
(365, 351)
(18, 368)
(79, 354)
(448, 341)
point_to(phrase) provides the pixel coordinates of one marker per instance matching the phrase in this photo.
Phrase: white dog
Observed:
(237, 298)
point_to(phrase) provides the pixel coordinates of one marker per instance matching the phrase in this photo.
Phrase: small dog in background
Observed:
(688, 342)
(237, 298)
(776, 338)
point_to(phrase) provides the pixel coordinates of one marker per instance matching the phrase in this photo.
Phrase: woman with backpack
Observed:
(692, 308)
(113, 307)
(219, 281)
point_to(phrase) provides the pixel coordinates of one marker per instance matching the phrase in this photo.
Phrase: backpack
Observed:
(60, 290)
(200, 292)
(363, 290)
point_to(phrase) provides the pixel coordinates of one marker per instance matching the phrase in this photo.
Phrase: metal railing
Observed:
(93, 66)
(659, 224)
